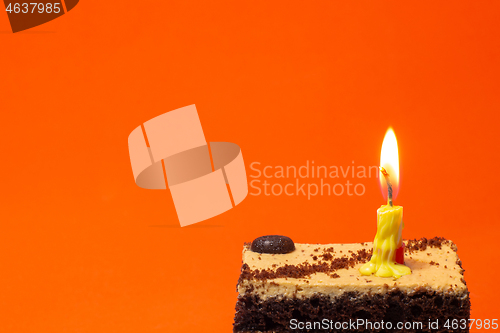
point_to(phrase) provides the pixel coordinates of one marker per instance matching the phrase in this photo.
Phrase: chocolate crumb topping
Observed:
(306, 269)
(413, 245)
(327, 256)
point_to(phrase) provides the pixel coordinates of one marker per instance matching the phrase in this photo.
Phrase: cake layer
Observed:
(317, 283)
(418, 310)
(333, 269)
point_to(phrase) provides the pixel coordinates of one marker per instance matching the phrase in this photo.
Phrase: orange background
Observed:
(83, 249)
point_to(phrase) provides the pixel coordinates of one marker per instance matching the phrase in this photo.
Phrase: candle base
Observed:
(385, 269)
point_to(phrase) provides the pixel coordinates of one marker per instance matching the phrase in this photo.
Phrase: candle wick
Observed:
(389, 185)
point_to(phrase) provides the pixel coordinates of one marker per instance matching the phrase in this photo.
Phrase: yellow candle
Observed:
(389, 219)
(387, 240)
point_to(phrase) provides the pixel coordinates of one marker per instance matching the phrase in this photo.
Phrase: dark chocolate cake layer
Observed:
(283, 315)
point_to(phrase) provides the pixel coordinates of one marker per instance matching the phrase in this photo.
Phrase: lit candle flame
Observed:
(389, 161)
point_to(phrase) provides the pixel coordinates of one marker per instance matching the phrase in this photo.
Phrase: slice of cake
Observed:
(287, 287)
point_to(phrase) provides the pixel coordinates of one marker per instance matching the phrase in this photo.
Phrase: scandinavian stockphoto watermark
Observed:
(368, 325)
(355, 325)
(309, 180)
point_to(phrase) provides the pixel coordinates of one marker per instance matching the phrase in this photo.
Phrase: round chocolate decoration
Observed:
(273, 244)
